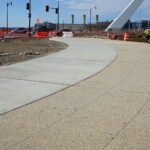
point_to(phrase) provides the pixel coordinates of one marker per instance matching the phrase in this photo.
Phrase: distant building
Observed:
(85, 27)
(137, 25)
(99, 26)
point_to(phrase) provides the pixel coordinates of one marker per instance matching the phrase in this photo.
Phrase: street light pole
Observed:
(63, 23)
(149, 20)
(7, 17)
(8, 4)
(140, 21)
(90, 25)
(90, 19)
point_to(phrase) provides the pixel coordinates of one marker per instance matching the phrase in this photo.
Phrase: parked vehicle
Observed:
(19, 30)
(60, 33)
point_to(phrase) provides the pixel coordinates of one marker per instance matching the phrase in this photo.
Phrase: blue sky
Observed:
(107, 9)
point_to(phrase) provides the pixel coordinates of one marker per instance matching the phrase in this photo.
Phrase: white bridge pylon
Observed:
(125, 15)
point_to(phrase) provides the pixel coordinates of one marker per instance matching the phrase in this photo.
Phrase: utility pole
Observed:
(7, 5)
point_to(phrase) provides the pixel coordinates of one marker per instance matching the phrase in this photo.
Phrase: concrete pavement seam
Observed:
(131, 120)
(34, 81)
(134, 92)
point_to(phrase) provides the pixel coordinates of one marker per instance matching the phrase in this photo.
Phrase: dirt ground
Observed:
(18, 50)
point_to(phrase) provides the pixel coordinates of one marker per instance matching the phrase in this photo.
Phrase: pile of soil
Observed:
(18, 50)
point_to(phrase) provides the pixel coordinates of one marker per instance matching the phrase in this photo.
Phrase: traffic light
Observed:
(28, 6)
(57, 11)
(47, 8)
(29, 15)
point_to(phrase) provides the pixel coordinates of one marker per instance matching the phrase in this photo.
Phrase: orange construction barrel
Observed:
(126, 36)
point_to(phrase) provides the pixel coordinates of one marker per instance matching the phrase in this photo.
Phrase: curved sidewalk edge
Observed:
(27, 82)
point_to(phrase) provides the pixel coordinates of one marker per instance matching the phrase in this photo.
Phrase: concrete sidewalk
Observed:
(32, 80)
(109, 111)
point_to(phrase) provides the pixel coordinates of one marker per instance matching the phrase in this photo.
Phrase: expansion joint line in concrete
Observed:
(35, 81)
(135, 92)
(130, 121)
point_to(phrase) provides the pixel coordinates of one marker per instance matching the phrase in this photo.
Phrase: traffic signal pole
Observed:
(29, 18)
(57, 12)
(7, 17)
(58, 17)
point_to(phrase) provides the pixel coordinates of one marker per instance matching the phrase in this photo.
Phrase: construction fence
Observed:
(114, 35)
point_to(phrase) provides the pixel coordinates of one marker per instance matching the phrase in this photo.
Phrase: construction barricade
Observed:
(52, 33)
(1, 34)
(67, 34)
(42, 35)
(114, 36)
